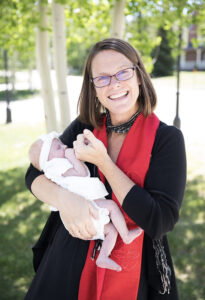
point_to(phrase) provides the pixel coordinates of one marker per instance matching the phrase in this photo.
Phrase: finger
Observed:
(71, 232)
(76, 149)
(89, 136)
(76, 233)
(90, 230)
(84, 234)
(74, 145)
(80, 138)
(93, 211)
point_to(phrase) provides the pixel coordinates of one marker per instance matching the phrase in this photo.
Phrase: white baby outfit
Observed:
(88, 187)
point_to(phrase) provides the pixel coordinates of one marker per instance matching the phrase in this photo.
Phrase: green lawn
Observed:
(193, 79)
(22, 218)
(18, 95)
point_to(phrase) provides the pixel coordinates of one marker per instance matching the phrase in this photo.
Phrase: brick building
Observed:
(193, 58)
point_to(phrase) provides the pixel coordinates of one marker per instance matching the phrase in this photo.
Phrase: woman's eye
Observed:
(102, 78)
(123, 72)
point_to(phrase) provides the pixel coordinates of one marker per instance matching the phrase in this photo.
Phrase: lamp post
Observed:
(8, 109)
(177, 121)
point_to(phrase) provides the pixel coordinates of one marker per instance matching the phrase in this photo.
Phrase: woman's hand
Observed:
(88, 148)
(76, 215)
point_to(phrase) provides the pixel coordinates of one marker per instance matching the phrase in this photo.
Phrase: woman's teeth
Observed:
(120, 95)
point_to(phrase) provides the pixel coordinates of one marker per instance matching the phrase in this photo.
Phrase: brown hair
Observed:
(90, 110)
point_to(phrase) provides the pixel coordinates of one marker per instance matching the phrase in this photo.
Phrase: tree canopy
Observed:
(90, 20)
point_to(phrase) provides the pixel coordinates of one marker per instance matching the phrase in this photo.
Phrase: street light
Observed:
(8, 110)
(177, 121)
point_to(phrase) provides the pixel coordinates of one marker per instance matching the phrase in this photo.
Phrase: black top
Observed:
(59, 258)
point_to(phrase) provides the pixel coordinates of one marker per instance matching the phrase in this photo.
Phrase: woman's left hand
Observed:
(88, 148)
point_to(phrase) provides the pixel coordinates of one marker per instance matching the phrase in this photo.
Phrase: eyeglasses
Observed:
(105, 80)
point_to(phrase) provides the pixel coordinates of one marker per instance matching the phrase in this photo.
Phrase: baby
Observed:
(61, 166)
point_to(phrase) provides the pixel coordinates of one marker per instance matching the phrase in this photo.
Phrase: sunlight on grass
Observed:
(21, 215)
(17, 141)
(195, 80)
(187, 242)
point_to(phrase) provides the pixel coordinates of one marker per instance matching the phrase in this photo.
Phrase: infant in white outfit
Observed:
(61, 166)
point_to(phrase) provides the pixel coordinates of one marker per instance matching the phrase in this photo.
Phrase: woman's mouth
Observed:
(118, 96)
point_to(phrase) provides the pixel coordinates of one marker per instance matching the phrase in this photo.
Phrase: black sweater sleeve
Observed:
(68, 137)
(155, 208)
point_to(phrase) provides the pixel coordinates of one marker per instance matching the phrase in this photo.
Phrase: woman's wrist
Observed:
(62, 198)
(105, 163)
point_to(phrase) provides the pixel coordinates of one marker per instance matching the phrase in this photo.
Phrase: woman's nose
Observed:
(114, 80)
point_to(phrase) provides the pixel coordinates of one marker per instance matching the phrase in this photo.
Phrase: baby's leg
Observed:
(118, 220)
(103, 260)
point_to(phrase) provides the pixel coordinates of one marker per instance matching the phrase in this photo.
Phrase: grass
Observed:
(192, 79)
(18, 94)
(21, 216)
(188, 244)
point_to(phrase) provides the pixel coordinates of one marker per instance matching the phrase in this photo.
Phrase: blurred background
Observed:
(43, 47)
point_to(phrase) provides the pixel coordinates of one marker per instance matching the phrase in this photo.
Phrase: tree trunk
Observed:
(59, 42)
(13, 71)
(118, 22)
(30, 78)
(42, 47)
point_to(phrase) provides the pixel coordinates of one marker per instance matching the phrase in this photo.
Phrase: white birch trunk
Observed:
(30, 78)
(13, 71)
(42, 47)
(118, 19)
(59, 42)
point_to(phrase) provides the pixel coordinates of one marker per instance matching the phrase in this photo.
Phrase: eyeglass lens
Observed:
(122, 75)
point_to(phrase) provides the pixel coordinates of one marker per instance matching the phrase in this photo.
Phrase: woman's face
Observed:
(119, 97)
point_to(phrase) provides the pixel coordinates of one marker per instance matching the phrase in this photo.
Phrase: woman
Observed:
(142, 163)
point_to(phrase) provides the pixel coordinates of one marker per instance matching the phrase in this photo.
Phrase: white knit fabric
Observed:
(55, 167)
(88, 187)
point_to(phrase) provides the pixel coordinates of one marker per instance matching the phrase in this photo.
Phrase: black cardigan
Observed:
(155, 208)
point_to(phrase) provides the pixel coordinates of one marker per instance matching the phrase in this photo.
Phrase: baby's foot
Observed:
(107, 263)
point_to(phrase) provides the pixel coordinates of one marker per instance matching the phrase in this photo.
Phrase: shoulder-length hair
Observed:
(90, 110)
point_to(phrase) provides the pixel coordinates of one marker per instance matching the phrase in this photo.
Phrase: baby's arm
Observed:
(118, 220)
(79, 168)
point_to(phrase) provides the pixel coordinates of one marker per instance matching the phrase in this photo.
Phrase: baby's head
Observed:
(34, 153)
(47, 147)
(57, 149)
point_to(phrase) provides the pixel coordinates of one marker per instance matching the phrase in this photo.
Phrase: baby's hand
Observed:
(86, 141)
(93, 150)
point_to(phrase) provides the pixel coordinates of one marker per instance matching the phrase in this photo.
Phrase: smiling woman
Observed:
(142, 163)
(106, 61)
(119, 96)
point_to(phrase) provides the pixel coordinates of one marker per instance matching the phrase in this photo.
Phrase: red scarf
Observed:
(134, 158)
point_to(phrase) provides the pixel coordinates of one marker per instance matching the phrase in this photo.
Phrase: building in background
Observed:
(193, 58)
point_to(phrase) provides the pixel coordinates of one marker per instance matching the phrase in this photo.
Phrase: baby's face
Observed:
(57, 149)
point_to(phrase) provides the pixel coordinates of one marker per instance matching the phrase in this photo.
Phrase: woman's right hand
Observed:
(75, 213)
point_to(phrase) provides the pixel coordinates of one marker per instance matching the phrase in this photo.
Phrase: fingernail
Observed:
(86, 131)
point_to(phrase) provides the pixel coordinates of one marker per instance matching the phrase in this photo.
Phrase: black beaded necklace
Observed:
(122, 128)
